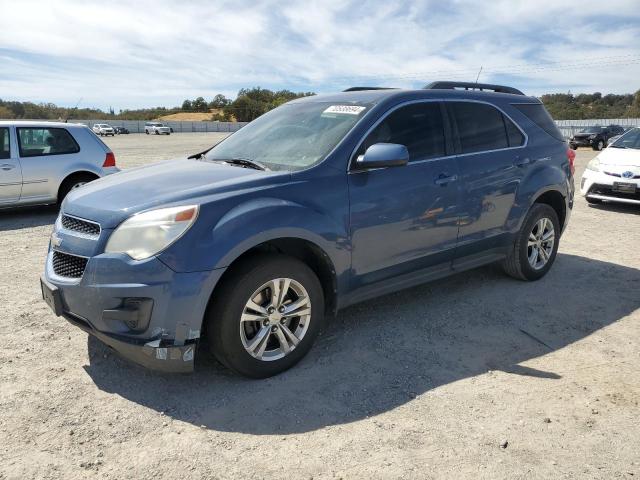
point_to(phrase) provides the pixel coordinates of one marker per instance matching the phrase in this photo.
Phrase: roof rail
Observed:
(360, 89)
(473, 86)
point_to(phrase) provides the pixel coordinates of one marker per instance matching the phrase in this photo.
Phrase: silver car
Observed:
(103, 129)
(40, 162)
(156, 128)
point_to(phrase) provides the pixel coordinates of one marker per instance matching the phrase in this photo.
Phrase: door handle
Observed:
(7, 166)
(443, 179)
(522, 162)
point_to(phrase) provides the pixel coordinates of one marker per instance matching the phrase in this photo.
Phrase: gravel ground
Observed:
(475, 376)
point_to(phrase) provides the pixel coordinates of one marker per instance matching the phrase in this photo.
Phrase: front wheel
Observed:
(536, 245)
(599, 146)
(265, 315)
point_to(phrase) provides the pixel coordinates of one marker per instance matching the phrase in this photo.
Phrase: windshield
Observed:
(591, 130)
(631, 139)
(291, 137)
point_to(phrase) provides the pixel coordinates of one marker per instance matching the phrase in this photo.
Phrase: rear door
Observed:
(492, 164)
(404, 219)
(45, 154)
(10, 172)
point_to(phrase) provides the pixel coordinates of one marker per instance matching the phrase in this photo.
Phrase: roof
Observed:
(38, 123)
(379, 95)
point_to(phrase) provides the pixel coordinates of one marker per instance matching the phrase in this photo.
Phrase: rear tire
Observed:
(247, 307)
(540, 226)
(599, 146)
(72, 182)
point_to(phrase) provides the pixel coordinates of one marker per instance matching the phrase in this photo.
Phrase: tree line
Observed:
(250, 103)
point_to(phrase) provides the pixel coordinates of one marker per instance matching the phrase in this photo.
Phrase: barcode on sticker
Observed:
(345, 109)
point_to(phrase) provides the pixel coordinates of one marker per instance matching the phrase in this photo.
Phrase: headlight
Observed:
(594, 165)
(148, 233)
(592, 136)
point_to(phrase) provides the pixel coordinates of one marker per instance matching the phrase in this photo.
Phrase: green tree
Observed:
(200, 105)
(187, 106)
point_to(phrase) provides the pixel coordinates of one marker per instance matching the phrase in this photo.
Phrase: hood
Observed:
(621, 157)
(111, 199)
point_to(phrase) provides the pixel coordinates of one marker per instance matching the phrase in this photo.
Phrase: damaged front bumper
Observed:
(145, 311)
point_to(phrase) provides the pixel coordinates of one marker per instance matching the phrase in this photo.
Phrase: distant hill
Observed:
(566, 106)
(189, 116)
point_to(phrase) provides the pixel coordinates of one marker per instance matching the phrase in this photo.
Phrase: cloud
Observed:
(144, 53)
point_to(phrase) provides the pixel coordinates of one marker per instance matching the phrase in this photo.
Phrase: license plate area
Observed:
(51, 296)
(622, 187)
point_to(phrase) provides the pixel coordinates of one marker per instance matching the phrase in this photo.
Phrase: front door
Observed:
(10, 173)
(404, 219)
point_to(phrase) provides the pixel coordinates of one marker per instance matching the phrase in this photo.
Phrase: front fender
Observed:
(217, 244)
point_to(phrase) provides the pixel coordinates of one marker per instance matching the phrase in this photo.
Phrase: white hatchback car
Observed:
(40, 162)
(614, 175)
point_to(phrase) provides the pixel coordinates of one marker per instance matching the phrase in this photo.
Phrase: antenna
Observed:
(66, 120)
(479, 74)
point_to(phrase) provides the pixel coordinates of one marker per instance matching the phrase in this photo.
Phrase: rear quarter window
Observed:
(37, 141)
(539, 115)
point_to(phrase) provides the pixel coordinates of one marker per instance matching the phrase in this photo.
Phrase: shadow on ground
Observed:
(27, 217)
(617, 208)
(379, 355)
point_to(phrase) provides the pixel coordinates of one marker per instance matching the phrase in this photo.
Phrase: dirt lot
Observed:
(425, 383)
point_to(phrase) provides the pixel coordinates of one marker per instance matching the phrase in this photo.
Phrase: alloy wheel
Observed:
(540, 243)
(275, 319)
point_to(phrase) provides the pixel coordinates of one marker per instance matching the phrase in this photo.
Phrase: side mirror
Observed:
(382, 155)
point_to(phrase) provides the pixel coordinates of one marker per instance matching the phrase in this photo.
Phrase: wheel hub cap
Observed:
(540, 244)
(275, 319)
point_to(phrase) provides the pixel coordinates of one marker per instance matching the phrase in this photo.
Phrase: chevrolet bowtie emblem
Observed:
(55, 240)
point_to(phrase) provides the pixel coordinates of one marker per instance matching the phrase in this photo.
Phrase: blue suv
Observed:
(321, 203)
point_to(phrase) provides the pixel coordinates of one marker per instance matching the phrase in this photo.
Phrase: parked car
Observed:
(595, 137)
(156, 128)
(316, 205)
(614, 175)
(103, 129)
(41, 162)
(120, 131)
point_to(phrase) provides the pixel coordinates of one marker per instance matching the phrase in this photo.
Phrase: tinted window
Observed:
(45, 141)
(480, 127)
(539, 115)
(515, 136)
(5, 150)
(418, 127)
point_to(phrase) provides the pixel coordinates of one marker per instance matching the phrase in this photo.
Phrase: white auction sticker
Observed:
(345, 109)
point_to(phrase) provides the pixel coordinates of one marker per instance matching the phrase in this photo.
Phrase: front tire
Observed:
(536, 245)
(265, 316)
(599, 146)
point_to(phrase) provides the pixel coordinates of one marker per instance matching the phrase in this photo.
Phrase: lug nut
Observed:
(283, 321)
(265, 322)
(274, 328)
(281, 309)
(271, 310)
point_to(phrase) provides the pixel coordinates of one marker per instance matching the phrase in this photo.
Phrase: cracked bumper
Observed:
(98, 304)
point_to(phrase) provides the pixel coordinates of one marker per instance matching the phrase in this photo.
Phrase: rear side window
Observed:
(480, 127)
(419, 127)
(539, 115)
(5, 149)
(514, 135)
(34, 142)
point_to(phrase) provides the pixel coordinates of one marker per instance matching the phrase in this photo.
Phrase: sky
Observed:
(133, 54)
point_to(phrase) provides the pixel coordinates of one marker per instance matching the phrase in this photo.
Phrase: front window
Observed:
(291, 137)
(5, 150)
(631, 139)
(592, 130)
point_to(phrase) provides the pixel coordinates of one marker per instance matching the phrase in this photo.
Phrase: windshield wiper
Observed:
(242, 162)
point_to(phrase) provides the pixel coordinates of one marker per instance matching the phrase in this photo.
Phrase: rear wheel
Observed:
(266, 315)
(536, 245)
(73, 182)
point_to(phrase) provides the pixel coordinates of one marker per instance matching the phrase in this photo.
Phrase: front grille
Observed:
(84, 227)
(66, 265)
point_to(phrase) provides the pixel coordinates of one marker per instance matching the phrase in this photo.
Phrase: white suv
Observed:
(103, 129)
(156, 128)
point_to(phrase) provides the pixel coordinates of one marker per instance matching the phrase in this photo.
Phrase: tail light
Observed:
(109, 160)
(571, 156)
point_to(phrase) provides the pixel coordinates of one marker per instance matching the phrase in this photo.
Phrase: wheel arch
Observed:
(71, 176)
(555, 200)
